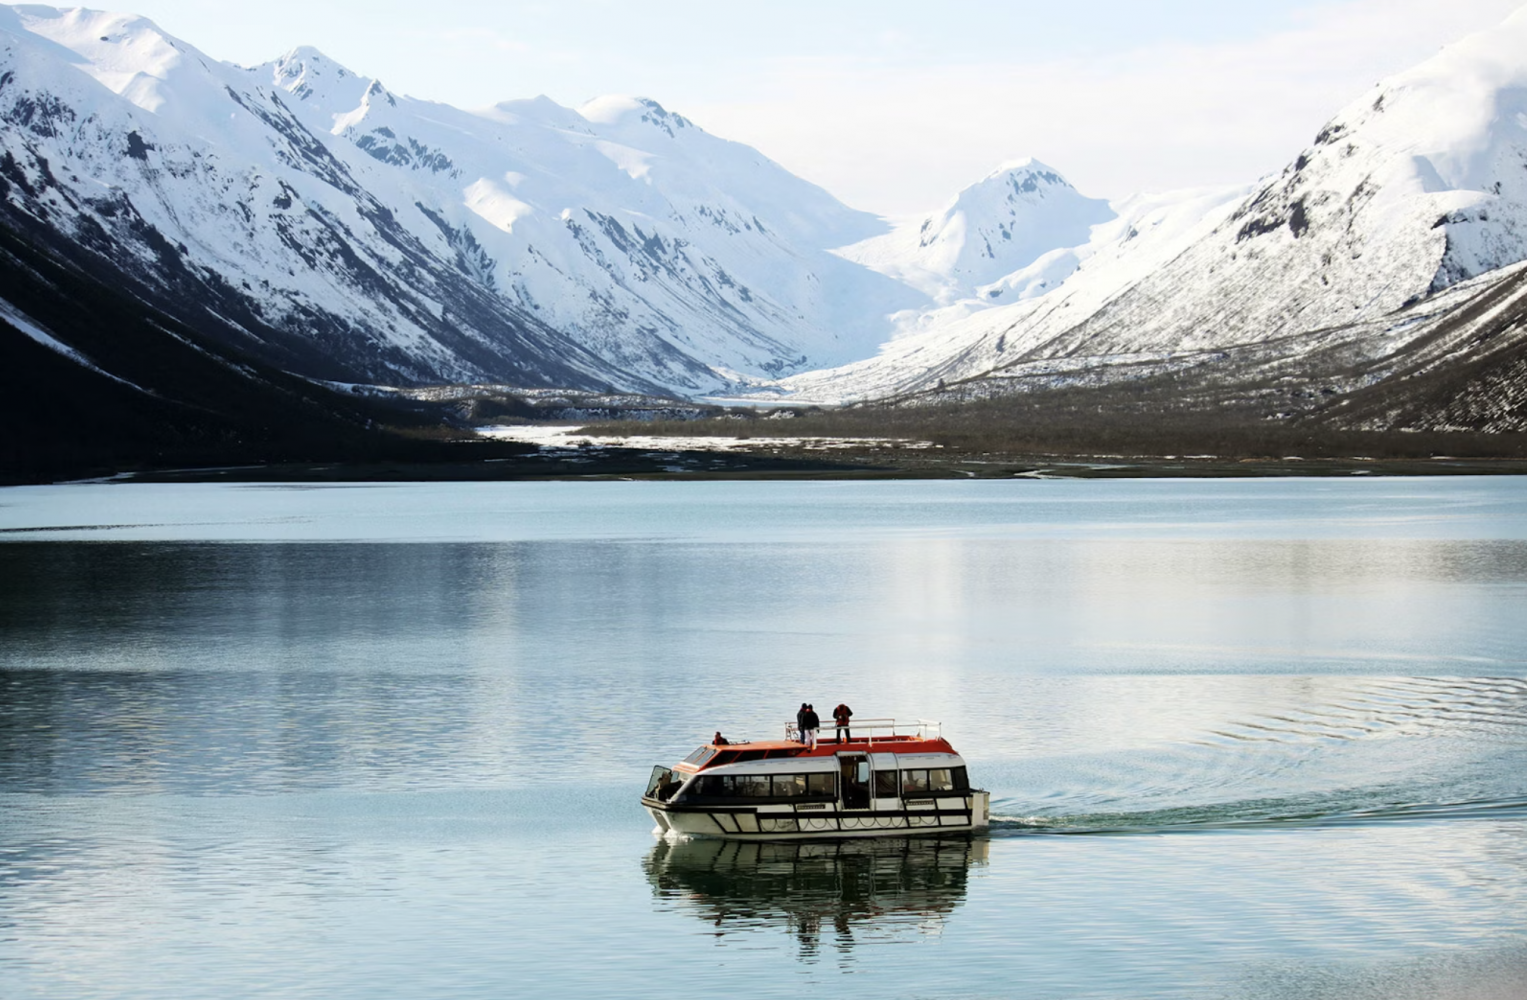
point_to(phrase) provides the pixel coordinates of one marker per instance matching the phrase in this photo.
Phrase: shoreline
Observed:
(785, 463)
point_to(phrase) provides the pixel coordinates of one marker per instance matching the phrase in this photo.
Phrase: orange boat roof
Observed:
(780, 749)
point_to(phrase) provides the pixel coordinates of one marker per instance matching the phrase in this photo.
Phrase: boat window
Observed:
(764, 786)
(885, 785)
(663, 783)
(934, 781)
(725, 757)
(700, 756)
(752, 786)
(789, 786)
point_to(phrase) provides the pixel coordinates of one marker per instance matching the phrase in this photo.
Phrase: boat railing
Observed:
(871, 730)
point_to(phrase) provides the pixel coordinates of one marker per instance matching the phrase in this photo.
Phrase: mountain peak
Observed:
(306, 60)
(626, 110)
(303, 54)
(1028, 167)
(1007, 221)
(306, 73)
(1017, 213)
(1013, 181)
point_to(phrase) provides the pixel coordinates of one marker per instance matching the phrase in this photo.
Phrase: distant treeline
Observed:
(1090, 422)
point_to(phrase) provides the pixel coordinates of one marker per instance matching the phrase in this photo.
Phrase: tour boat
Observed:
(884, 781)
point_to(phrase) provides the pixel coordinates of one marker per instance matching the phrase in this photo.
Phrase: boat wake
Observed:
(1253, 815)
(1358, 753)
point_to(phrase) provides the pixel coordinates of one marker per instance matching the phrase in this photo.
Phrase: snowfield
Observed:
(553, 437)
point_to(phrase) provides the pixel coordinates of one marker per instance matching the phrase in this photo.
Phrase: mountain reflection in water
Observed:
(881, 888)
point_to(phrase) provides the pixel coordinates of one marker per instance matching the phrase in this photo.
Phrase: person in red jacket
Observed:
(841, 715)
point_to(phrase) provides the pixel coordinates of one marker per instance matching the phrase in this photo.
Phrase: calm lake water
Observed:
(1245, 739)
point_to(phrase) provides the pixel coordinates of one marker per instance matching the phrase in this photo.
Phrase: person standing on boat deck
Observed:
(800, 723)
(841, 715)
(813, 723)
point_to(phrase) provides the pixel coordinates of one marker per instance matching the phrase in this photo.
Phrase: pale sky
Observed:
(894, 105)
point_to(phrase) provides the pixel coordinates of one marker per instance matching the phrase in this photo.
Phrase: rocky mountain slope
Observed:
(344, 232)
(95, 380)
(1455, 361)
(1415, 188)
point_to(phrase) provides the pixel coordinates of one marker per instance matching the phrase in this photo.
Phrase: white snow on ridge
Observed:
(681, 259)
(1418, 185)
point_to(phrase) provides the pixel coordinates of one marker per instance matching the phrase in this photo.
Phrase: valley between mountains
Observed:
(288, 266)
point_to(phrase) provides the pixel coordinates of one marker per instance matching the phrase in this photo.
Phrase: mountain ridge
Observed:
(1415, 187)
(423, 243)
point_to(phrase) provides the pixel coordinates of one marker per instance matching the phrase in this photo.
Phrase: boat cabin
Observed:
(885, 779)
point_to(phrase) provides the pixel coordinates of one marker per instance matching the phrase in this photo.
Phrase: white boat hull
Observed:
(967, 813)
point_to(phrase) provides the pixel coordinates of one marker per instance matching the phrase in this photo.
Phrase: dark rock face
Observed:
(1454, 363)
(126, 385)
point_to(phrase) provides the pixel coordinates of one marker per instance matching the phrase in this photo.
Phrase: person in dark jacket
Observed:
(800, 723)
(813, 723)
(841, 715)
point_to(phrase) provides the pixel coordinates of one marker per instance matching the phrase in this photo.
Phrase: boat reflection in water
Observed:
(882, 887)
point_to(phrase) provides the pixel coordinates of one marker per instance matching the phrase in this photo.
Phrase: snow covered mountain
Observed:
(312, 219)
(1021, 219)
(348, 233)
(1419, 185)
(989, 330)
